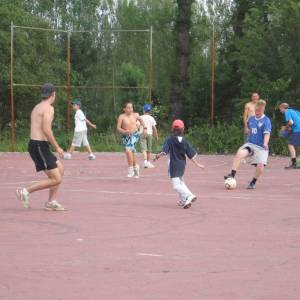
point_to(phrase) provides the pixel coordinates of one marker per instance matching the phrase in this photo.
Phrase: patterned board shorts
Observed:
(130, 140)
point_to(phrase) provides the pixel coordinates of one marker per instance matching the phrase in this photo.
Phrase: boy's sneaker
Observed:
(54, 206)
(189, 201)
(251, 186)
(92, 156)
(180, 203)
(228, 176)
(67, 156)
(150, 165)
(130, 172)
(146, 164)
(136, 170)
(23, 196)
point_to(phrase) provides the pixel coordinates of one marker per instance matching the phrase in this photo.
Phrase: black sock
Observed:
(294, 161)
(233, 172)
(253, 180)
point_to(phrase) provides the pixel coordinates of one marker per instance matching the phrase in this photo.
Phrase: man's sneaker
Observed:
(67, 156)
(136, 170)
(228, 176)
(23, 196)
(251, 186)
(189, 201)
(54, 206)
(92, 156)
(291, 167)
(146, 164)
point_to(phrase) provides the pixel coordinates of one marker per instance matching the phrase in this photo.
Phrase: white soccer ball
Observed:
(230, 183)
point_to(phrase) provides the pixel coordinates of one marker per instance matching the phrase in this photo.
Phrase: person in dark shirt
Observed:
(177, 148)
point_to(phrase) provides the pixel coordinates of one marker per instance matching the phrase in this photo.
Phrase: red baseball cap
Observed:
(178, 124)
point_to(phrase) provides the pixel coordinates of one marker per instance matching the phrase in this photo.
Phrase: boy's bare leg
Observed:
(292, 151)
(129, 156)
(259, 170)
(148, 156)
(241, 154)
(145, 155)
(54, 189)
(88, 148)
(133, 159)
(72, 148)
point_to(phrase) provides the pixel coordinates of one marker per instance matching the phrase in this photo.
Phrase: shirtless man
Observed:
(249, 111)
(41, 136)
(127, 126)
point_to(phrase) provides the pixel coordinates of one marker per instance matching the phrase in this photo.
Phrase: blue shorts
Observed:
(130, 140)
(294, 139)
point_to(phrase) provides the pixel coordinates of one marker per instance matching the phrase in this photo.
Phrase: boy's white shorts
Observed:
(80, 138)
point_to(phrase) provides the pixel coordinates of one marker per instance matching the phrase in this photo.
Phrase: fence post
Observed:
(12, 100)
(68, 82)
(150, 83)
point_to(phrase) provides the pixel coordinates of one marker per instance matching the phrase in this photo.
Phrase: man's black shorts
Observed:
(40, 153)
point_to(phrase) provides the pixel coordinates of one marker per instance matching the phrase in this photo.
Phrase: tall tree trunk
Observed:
(180, 78)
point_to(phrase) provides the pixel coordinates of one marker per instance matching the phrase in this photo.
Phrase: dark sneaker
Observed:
(228, 176)
(291, 167)
(251, 186)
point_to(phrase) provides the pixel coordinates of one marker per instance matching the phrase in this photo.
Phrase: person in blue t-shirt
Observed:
(292, 118)
(177, 148)
(257, 145)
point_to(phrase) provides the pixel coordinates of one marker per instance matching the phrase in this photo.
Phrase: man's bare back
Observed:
(40, 111)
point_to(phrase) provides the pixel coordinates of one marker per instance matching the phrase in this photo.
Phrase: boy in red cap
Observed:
(177, 147)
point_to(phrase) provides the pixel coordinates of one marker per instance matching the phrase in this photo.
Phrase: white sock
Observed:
(24, 191)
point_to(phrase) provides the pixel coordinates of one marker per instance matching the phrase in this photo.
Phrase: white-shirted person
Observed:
(146, 139)
(80, 131)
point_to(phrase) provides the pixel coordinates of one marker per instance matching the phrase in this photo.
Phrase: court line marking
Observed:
(149, 254)
(118, 192)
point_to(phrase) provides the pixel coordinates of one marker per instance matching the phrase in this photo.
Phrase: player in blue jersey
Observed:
(292, 118)
(257, 145)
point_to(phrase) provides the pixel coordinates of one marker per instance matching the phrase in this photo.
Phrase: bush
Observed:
(221, 139)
